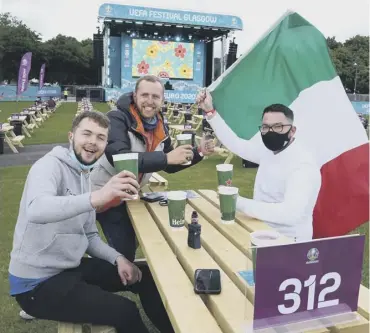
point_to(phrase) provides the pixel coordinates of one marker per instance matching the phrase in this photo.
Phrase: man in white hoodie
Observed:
(288, 180)
(48, 274)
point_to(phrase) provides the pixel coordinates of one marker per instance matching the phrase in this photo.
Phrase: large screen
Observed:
(172, 60)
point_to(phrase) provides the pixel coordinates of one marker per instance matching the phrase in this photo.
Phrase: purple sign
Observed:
(24, 70)
(305, 281)
(42, 76)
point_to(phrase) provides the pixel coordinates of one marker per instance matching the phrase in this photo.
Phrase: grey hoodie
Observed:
(56, 224)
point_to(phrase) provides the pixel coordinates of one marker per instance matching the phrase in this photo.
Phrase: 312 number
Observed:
(310, 283)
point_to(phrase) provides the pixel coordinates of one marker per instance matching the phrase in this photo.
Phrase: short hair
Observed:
(279, 108)
(148, 78)
(100, 118)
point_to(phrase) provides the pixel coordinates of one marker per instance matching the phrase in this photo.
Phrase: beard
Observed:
(79, 157)
(141, 110)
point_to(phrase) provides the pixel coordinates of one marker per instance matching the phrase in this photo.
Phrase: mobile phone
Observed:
(152, 197)
(207, 281)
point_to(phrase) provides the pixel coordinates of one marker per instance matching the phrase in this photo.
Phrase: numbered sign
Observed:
(304, 281)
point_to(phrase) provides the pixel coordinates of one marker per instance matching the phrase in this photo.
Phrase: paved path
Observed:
(27, 155)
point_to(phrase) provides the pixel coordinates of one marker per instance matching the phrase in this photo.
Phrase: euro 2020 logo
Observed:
(312, 256)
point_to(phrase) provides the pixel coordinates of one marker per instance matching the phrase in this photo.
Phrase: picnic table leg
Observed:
(10, 144)
(34, 121)
(24, 128)
(198, 125)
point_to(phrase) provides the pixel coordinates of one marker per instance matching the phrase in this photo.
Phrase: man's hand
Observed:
(128, 272)
(122, 185)
(204, 100)
(180, 155)
(207, 147)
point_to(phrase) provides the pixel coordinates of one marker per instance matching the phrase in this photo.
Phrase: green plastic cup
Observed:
(127, 162)
(225, 174)
(184, 139)
(228, 196)
(176, 208)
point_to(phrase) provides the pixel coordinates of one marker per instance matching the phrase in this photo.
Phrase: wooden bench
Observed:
(157, 182)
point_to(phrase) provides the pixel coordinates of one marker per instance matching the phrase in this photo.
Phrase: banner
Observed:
(24, 70)
(42, 76)
(137, 13)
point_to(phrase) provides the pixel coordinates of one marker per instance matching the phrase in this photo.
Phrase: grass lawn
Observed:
(12, 180)
(54, 129)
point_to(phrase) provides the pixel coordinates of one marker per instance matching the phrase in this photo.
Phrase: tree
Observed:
(68, 61)
(351, 60)
(15, 40)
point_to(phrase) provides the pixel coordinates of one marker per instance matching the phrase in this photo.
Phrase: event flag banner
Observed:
(291, 65)
(24, 70)
(42, 76)
(308, 282)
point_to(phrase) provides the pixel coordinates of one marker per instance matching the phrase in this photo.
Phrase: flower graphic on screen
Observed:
(163, 74)
(180, 51)
(167, 64)
(186, 71)
(152, 51)
(143, 68)
(164, 42)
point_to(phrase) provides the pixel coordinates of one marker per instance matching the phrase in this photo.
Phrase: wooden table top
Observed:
(224, 247)
(20, 118)
(6, 128)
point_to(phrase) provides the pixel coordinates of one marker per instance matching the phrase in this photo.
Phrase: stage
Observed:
(177, 46)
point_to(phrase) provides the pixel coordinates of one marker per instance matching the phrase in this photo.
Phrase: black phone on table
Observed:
(152, 197)
(207, 281)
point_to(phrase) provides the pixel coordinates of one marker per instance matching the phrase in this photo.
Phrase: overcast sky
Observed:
(78, 18)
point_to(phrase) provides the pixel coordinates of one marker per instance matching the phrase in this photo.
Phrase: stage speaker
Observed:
(98, 48)
(209, 64)
(231, 57)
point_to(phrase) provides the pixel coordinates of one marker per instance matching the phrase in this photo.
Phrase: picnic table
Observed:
(10, 138)
(224, 247)
(25, 126)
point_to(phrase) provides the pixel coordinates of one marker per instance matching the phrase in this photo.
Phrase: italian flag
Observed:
(291, 65)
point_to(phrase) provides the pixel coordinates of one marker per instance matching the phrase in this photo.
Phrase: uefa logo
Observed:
(312, 256)
(24, 62)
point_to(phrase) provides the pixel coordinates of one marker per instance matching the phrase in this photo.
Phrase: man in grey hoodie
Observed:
(48, 274)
